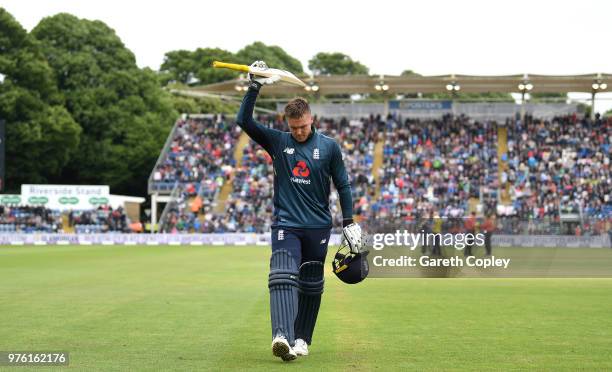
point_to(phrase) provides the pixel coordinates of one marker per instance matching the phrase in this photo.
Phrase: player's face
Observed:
(300, 128)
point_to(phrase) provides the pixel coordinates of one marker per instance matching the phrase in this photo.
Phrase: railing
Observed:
(163, 186)
(162, 155)
(171, 206)
(207, 194)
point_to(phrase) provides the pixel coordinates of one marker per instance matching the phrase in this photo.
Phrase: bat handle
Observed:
(231, 66)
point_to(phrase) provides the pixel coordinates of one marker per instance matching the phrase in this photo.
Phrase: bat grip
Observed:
(231, 66)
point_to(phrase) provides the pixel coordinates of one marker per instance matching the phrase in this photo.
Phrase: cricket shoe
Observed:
(300, 347)
(282, 349)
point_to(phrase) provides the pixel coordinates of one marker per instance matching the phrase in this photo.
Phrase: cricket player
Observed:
(304, 162)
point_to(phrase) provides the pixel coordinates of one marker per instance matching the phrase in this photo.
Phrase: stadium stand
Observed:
(560, 169)
(28, 219)
(357, 140)
(100, 220)
(533, 176)
(249, 209)
(435, 167)
(199, 149)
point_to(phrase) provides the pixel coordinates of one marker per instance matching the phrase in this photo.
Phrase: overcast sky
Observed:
(485, 37)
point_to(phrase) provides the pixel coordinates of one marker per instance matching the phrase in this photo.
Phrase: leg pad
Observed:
(311, 288)
(283, 284)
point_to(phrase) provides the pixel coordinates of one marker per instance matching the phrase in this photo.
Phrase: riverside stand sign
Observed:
(65, 197)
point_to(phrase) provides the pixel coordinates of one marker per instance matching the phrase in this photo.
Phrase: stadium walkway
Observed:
(243, 141)
(378, 164)
(502, 148)
(67, 228)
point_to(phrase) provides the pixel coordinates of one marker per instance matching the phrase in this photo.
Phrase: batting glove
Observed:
(261, 80)
(353, 236)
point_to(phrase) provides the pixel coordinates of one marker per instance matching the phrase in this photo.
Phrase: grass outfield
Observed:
(206, 308)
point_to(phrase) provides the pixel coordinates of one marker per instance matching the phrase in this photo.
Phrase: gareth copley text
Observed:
(426, 261)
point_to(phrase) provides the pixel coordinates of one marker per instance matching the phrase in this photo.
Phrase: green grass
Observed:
(206, 308)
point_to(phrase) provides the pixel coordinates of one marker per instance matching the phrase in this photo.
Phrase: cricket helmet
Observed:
(350, 267)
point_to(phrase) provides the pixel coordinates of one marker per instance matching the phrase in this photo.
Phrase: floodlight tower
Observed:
(598, 85)
(453, 87)
(383, 87)
(242, 84)
(312, 87)
(524, 87)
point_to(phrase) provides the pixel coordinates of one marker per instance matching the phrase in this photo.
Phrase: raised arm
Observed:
(257, 131)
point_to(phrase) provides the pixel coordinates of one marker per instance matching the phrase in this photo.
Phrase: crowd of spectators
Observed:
(249, 207)
(28, 219)
(193, 212)
(556, 169)
(201, 149)
(357, 139)
(199, 160)
(560, 167)
(101, 220)
(433, 167)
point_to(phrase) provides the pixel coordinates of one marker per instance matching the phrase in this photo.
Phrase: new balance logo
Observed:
(289, 150)
(315, 154)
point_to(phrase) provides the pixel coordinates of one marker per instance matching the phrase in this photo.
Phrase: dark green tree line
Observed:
(41, 134)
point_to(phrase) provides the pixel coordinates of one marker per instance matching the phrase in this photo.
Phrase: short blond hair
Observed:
(296, 108)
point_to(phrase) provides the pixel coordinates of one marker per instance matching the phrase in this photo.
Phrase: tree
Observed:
(274, 56)
(548, 97)
(484, 96)
(409, 73)
(195, 67)
(189, 67)
(41, 134)
(335, 64)
(190, 105)
(124, 114)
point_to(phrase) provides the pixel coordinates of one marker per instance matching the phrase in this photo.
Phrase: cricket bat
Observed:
(285, 76)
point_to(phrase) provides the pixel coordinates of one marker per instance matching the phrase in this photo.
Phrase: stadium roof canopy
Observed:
(359, 84)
